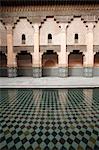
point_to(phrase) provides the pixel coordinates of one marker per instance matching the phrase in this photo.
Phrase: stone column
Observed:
(36, 55)
(89, 57)
(63, 56)
(10, 54)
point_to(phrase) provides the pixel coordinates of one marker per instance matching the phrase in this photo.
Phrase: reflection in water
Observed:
(88, 96)
(96, 98)
(49, 119)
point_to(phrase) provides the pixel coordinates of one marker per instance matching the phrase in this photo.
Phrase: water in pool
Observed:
(49, 119)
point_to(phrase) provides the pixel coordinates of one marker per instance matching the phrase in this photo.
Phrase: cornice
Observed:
(49, 8)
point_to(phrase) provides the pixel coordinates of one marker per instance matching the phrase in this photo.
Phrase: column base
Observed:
(3, 72)
(12, 72)
(63, 72)
(37, 72)
(88, 72)
(96, 71)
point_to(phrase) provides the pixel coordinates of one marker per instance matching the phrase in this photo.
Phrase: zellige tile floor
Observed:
(49, 119)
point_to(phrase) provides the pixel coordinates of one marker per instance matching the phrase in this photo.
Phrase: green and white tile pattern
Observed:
(49, 119)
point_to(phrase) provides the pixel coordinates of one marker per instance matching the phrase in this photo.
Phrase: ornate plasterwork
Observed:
(96, 48)
(55, 48)
(81, 48)
(12, 20)
(17, 49)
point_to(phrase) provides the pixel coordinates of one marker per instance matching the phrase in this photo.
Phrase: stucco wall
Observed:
(50, 27)
(96, 34)
(23, 27)
(3, 39)
(76, 27)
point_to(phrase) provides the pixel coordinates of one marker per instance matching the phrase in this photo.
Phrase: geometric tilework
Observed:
(49, 119)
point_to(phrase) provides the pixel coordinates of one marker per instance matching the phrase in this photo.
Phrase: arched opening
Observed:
(75, 62)
(96, 59)
(24, 63)
(96, 64)
(49, 38)
(50, 64)
(3, 65)
(23, 38)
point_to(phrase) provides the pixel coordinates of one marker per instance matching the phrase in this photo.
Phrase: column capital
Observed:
(36, 27)
(63, 26)
(9, 28)
(90, 26)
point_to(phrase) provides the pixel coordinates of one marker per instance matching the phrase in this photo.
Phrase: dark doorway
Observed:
(96, 59)
(75, 62)
(96, 64)
(50, 64)
(24, 63)
(3, 65)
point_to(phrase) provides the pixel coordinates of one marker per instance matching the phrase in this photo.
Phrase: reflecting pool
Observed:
(49, 119)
